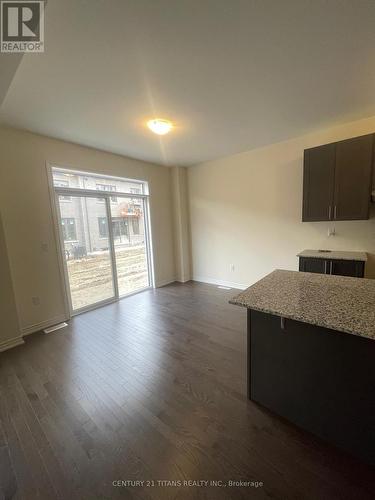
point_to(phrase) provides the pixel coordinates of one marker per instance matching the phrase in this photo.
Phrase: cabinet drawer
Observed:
(337, 267)
(311, 265)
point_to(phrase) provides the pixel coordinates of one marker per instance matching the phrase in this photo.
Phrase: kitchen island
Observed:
(311, 354)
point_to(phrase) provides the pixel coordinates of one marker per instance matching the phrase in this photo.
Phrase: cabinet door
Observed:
(319, 379)
(310, 265)
(353, 174)
(347, 268)
(318, 183)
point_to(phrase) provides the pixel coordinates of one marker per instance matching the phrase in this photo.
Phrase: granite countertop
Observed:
(334, 254)
(337, 302)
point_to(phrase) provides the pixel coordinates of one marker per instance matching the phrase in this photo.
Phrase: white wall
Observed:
(9, 327)
(246, 210)
(181, 223)
(26, 210)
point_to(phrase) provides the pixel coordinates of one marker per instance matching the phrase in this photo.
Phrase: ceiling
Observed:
(232, 74)
(8, 67)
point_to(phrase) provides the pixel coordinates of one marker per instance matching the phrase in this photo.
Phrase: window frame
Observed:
(66, 185)
(78, 191)
(143, 184)
(113, 199)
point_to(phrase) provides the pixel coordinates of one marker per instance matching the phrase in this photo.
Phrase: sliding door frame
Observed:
(110, 300)
(55, 192)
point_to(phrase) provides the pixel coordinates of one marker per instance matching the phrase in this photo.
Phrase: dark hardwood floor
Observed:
(153, 389)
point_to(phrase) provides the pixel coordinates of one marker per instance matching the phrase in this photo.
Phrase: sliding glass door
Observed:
(104, 237)
(130, 244)
(87, 250)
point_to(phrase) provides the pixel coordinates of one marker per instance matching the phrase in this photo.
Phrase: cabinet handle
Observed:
(329, 212)
(331, 267)
(325, 267)
(282, 323)
(335, 212)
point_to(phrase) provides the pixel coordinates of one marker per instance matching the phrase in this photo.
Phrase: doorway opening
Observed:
(104, 231)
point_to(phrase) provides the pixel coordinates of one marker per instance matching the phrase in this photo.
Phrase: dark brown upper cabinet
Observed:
(353, 178)
(337, 180)
(318, 183)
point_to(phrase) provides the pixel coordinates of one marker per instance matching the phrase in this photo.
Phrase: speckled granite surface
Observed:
(337, 302)
(334, 254)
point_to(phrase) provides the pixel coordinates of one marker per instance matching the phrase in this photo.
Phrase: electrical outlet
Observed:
(35, 301)
(44, 247)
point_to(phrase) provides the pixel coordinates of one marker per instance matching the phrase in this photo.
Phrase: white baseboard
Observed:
(202, 279)
(27, 330)
(168, 282)
(9, 344)
(212, 281)
(159, 284)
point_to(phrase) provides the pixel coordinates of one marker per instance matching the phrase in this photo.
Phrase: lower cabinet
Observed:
(354, 268)
(348, 268)
(322, 380)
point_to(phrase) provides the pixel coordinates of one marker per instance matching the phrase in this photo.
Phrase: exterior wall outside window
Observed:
(69, 229)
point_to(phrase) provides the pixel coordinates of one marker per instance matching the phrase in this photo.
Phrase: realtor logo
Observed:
(22, 26)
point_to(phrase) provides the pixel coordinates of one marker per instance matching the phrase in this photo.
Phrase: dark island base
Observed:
(321, 380)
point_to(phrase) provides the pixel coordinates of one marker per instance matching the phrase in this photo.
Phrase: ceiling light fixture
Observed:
(160, 126)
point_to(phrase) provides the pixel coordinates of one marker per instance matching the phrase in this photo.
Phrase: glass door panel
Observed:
(130, 243)
(87, 250)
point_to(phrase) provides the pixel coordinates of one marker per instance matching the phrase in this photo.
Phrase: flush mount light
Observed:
(160, 126)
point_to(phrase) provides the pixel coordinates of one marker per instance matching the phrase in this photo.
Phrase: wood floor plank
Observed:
(153, 389)
(8, 413)
(8, 481)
